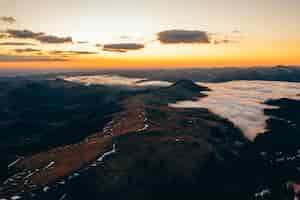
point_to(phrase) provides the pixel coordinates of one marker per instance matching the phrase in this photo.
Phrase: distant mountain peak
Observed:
(189, 85)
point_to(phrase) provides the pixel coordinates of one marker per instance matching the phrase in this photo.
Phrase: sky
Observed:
(73, 34)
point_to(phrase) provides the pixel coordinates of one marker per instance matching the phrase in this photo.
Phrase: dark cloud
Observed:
(16, 58)
(122, 47)
(53, 39)
(125, 37)
(54, 53)
(236, 32)
(27, 50)
(8, 19)
(115, 50)
(73, 52)
(82, 42)
(183, 36)
(230, 38)
(224, 41)
(23, 34)
(16, 44)
(39, 36)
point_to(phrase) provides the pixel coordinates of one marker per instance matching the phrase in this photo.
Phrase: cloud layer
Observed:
(8, 19)
(27, 37)
(122, 47)
(16, 44)
(116, 81)
(242, 102)
(17, 58)
(183, 36)
(72, 52)
(27, 50)
(224, 41)
(39, 36)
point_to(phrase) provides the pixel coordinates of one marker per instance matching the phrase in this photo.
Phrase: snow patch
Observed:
(114, 150)
(49, 165)
(13, 163)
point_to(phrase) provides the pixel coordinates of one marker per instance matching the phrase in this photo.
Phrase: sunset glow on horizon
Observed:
(72, 34)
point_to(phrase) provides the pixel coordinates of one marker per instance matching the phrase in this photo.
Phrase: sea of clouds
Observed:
(116, 81)
(242, 102)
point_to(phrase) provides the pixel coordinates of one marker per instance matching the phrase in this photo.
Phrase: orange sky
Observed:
(143, 34)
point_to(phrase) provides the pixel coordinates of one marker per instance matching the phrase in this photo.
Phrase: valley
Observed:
(151, 150)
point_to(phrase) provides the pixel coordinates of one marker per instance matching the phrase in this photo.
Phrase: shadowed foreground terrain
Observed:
(36, 115)
(149, 150)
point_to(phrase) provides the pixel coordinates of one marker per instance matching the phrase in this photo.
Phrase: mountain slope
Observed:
(149, 150)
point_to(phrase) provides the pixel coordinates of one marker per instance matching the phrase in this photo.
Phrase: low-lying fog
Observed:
(242, 102)
(116, 81)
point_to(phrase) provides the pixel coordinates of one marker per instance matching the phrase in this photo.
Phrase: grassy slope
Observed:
(36, 115)
(176, 158)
